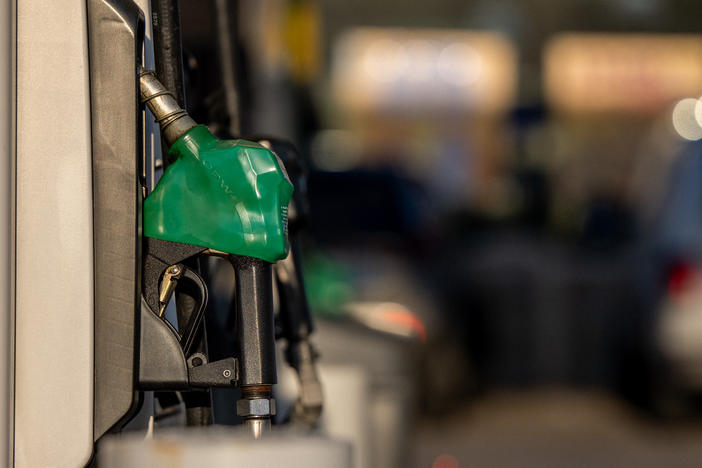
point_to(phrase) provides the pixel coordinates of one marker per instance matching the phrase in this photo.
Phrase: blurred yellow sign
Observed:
(302, 36)
(424, 71)
(621, 73)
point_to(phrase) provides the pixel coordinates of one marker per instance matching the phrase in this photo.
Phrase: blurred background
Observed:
(504, 240)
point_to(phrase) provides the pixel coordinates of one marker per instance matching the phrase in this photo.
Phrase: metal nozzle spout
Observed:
(173, 119)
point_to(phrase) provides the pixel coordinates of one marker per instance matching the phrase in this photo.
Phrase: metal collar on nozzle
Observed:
(172, 118)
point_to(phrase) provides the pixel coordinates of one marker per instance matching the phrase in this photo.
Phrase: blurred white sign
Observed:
(416, 70)
(629, 73)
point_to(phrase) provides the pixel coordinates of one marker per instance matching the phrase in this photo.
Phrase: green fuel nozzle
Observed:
(228, 195)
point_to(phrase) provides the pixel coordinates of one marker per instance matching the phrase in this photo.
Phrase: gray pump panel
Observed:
(115, 35)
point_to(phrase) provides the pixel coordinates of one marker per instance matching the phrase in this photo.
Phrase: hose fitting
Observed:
(172, 118)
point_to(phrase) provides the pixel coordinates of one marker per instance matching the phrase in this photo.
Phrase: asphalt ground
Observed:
(553, 429)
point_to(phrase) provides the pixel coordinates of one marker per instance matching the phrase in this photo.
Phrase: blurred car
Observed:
(676, 251)
(680, 326)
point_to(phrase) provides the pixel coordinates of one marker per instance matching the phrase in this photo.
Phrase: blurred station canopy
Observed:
(621, 73)
(419, 71)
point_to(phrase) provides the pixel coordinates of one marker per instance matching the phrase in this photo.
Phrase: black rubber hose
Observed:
(168, 54)
(168, 51)
(167, 46)
(226, 11)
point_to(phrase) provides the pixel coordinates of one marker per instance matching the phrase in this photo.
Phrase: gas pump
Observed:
(93, 340)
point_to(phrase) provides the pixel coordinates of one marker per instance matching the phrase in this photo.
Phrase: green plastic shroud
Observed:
(228, 195)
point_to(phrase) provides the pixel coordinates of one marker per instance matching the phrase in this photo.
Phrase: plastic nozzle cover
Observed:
(227, 195)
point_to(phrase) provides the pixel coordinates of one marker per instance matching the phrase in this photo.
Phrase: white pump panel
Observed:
(53, 396)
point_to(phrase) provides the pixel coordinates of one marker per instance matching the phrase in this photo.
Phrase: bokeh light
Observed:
(685, 121)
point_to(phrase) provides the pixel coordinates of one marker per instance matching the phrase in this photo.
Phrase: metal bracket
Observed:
(222, 373)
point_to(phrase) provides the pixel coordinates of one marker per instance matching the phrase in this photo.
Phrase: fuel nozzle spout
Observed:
(173, 119)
